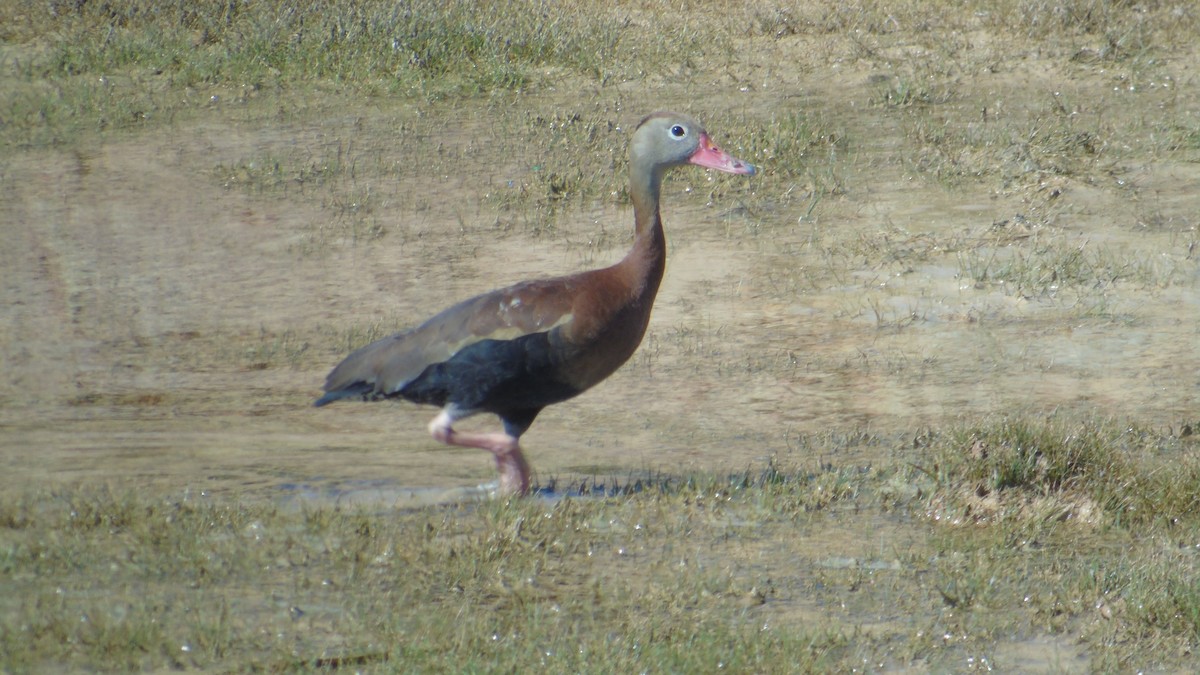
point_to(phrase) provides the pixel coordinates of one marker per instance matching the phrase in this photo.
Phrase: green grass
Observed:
(180, 583)
(1104, 514)
(1100, 472)
(392, 47)
(72, 69)
(1004, 532)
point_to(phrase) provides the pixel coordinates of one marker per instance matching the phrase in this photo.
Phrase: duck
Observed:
(513, 351)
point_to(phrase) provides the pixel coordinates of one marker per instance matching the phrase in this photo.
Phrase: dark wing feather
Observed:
(385, 366)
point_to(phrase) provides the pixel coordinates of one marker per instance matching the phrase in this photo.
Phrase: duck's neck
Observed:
(647, 260)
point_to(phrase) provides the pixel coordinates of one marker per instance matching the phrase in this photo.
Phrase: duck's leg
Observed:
(505, 448)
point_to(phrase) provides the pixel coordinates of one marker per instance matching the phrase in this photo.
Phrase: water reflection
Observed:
(383, 493)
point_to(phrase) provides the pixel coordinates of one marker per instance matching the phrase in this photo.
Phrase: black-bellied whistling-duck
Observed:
(519, 349)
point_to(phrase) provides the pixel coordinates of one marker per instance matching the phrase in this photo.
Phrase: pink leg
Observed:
(514, 470)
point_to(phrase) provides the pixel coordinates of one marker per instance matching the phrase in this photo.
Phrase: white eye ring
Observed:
(678, 131)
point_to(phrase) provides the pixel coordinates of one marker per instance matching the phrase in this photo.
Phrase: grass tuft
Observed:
(1094, 472)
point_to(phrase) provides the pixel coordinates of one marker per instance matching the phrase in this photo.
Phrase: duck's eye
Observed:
(678, 131)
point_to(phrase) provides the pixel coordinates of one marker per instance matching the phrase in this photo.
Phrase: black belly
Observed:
(498, 376)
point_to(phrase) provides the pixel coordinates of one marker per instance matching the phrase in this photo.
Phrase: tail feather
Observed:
(359, 389)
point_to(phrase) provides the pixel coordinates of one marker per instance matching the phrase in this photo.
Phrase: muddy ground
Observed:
(172, 298)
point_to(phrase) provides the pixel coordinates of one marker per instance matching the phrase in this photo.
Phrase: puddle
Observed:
(385, 494)
(374, 495)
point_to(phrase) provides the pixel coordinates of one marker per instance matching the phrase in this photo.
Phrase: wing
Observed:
(385, 366)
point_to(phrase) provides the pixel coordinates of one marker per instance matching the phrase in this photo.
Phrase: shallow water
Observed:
(383, 494)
